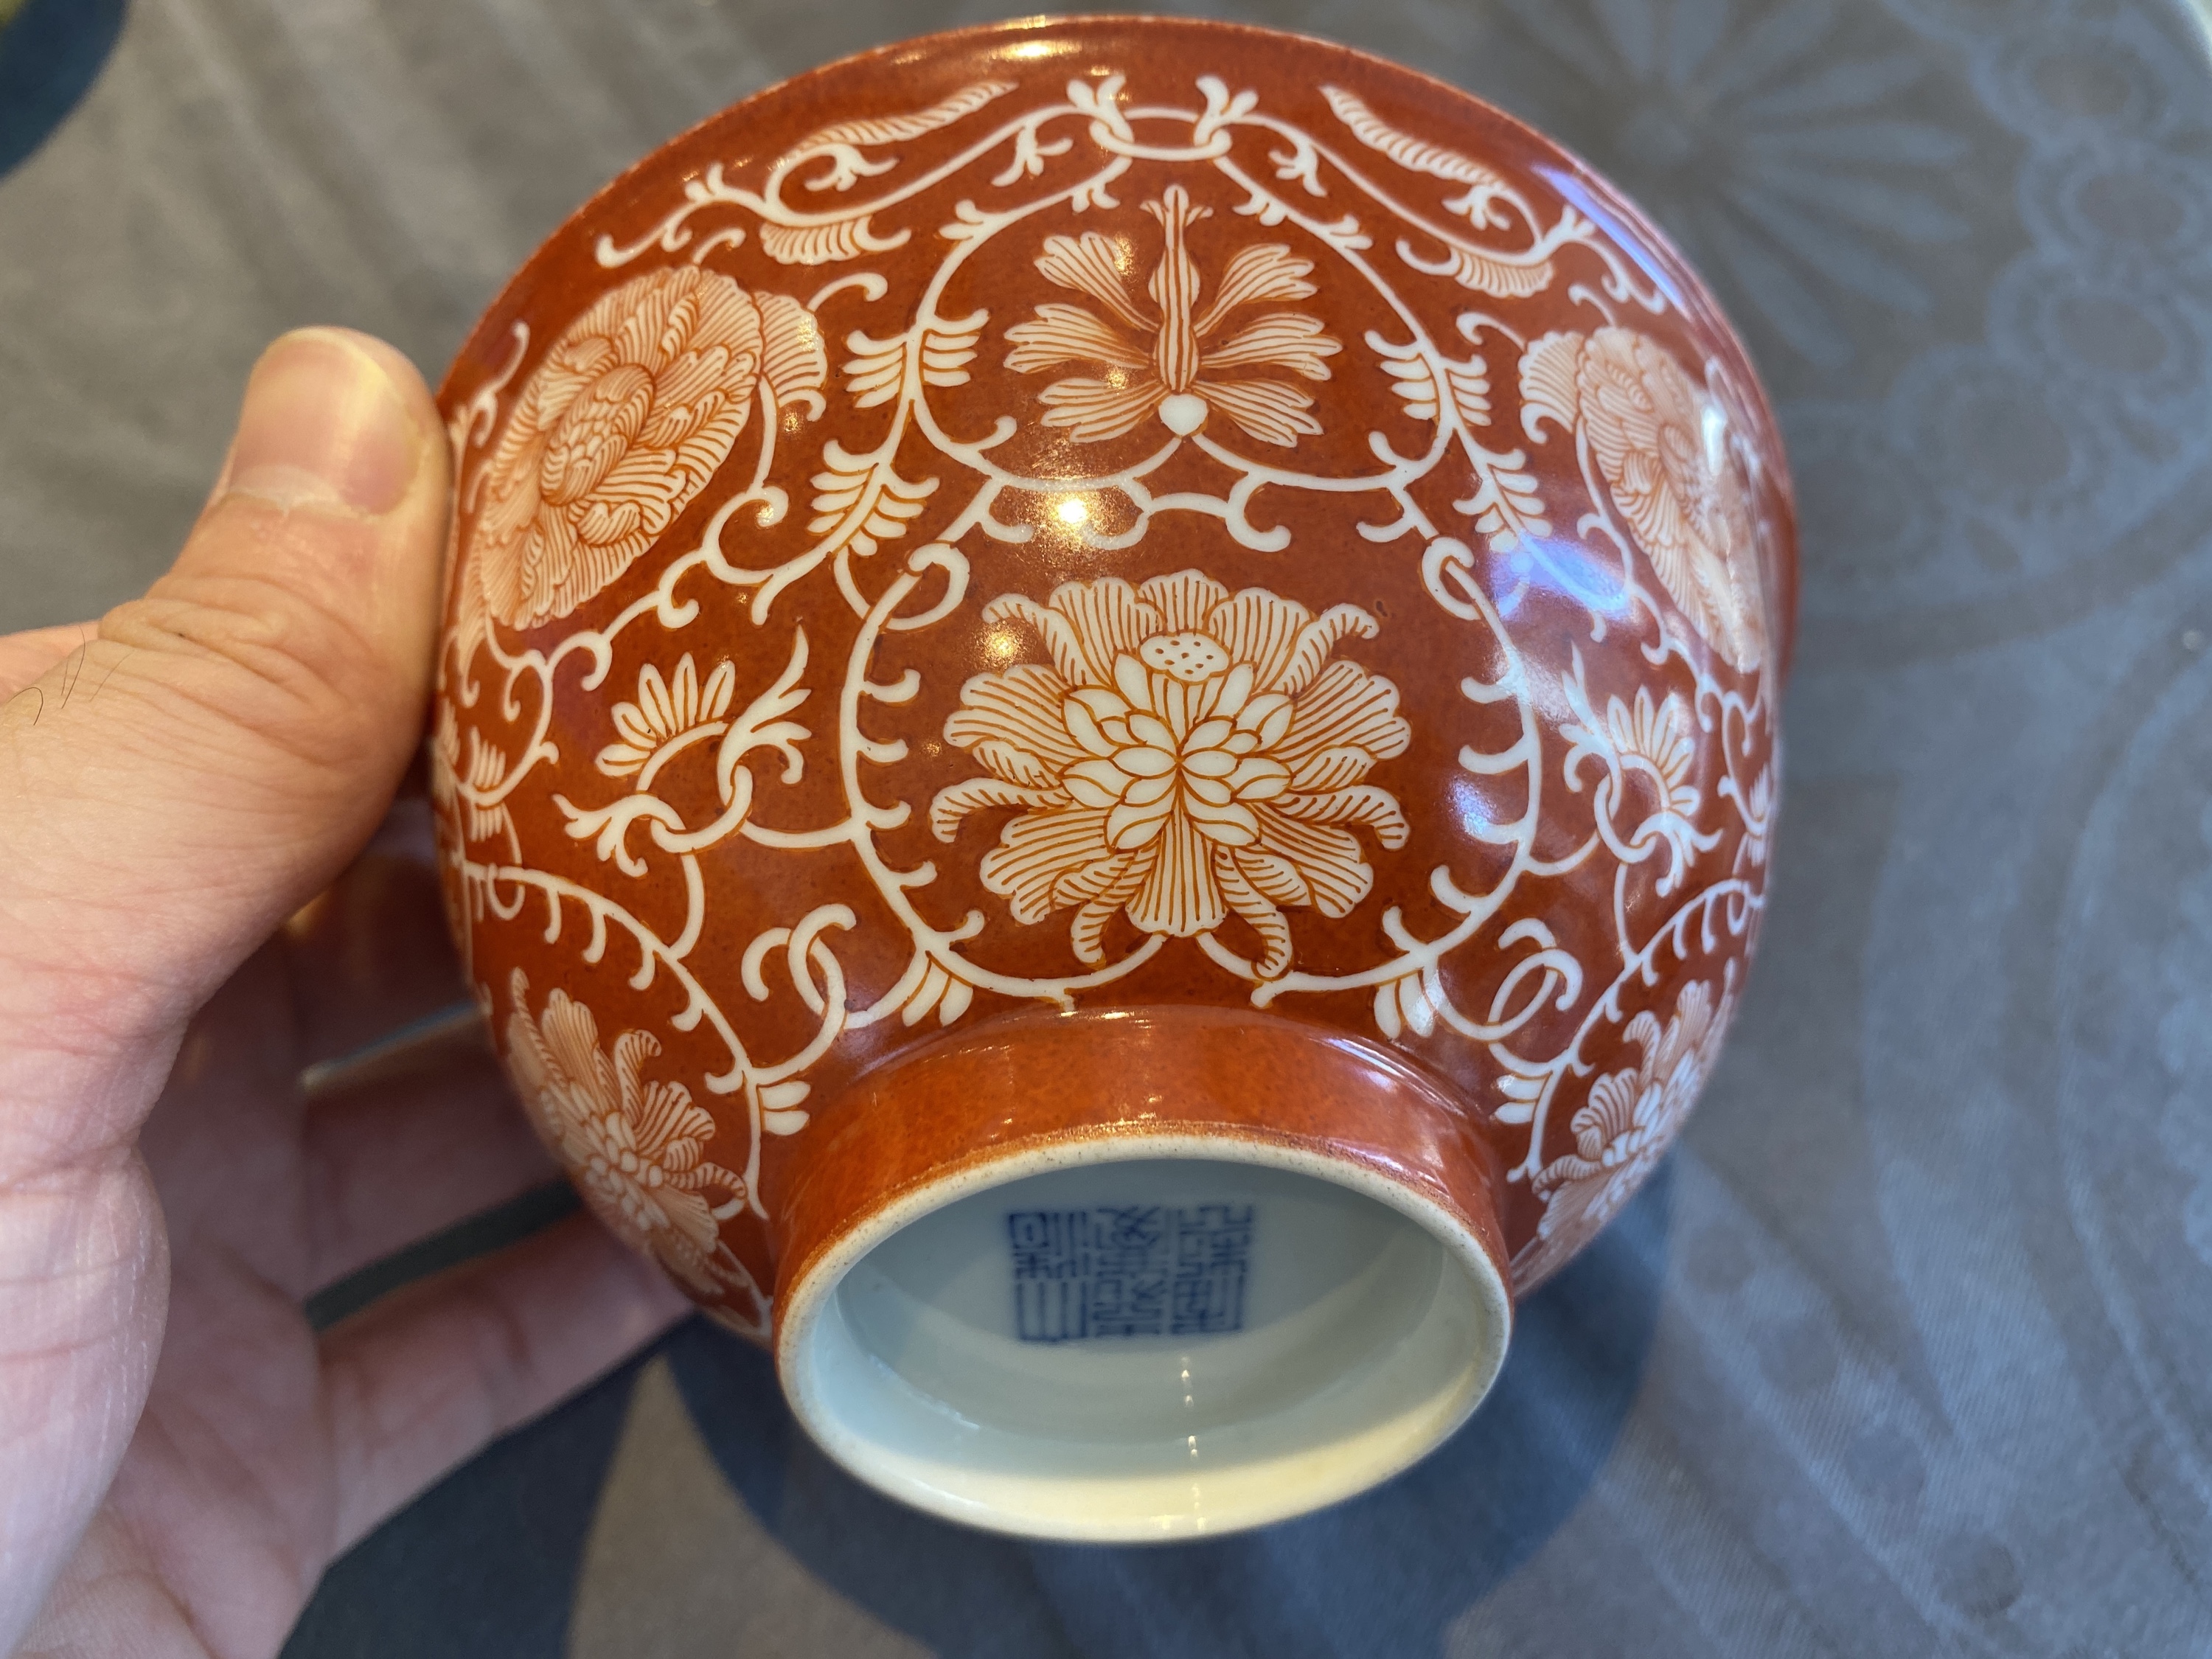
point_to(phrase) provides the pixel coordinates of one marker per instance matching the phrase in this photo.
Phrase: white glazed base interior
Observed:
(1145, 1346)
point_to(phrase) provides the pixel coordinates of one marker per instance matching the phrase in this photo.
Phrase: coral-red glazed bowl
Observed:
(1106, 745)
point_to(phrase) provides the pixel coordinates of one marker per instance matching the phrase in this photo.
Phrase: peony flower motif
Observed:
(1665, 451)
(633, 1148)
(1155, 356)
(1628, 1121)
(631, 412)
(1188, 753)
(668, 714)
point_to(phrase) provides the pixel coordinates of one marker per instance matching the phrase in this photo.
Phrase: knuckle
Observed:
(273, 645)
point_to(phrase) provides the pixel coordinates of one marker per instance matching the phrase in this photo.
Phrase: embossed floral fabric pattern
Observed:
(1824, 183)
(1906, 1353)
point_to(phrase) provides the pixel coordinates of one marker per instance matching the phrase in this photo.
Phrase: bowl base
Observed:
(1107, 1312)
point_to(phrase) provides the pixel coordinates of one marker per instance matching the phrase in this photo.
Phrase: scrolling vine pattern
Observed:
(1181, 756)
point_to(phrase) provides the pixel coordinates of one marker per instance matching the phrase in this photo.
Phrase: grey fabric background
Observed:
(1909, 1351)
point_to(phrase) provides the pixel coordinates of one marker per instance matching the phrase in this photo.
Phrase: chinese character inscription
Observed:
(1129, 1270)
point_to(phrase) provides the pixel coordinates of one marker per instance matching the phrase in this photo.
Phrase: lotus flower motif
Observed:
(669, 714)
(1657, 739)
(635, 1148)
(1189, 753)
(1153, 345)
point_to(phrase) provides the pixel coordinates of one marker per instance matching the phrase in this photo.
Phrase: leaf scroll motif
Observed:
(947, 352)
(1419, 156)
(876, 372)
(936, 991)
(825, 244)
(1466, 384)
(1486, 273)
(862, 502)
(1503, 276)
(484, 772)
(1403, 1004)
(842, 142)
(1506, 507)
(829, 241)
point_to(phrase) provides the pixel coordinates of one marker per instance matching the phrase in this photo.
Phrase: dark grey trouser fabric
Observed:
(1909, 1350)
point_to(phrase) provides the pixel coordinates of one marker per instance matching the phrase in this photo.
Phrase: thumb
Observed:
(172, 791)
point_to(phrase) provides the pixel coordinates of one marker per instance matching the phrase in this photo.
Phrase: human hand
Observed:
(185, 928)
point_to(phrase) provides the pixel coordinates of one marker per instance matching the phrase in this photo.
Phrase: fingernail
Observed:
(323, 425)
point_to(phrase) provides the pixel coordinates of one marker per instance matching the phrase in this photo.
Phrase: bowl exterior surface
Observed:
(1097, 515)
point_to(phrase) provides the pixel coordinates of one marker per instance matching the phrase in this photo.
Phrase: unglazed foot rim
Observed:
(1384, 1411)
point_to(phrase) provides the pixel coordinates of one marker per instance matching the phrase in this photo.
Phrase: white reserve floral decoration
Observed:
(636, 1149)
(669, 715)
(1631, 1116)
(1188, 753)
(1662, 446)
(632, 410)
(1171, 767)
(1152, 345)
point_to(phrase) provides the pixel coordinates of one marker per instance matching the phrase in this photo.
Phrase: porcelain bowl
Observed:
(1106, 745)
